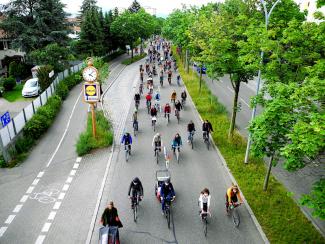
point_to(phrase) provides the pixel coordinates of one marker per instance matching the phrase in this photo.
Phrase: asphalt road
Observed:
(197, 169)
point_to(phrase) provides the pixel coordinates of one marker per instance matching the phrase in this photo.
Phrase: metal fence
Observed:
(11, 130)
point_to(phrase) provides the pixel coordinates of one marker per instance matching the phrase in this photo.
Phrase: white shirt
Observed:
(204, 199)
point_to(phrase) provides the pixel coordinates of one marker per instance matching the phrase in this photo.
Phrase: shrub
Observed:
(9, 83)
(3, 163)
(62, 90)
(23, 144)
(43, 76)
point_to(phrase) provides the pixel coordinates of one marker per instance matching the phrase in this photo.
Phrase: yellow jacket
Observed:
(230, 194)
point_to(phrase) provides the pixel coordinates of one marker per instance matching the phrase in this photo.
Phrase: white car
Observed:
(31, 88)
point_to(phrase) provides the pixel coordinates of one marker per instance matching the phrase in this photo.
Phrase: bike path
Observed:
(197, 169)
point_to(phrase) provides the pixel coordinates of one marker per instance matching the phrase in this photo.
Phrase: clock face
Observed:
(89, 74)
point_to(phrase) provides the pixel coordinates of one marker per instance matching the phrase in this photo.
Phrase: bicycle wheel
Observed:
(235, 217)
(126, 155)
(177, 155)
(135, 212)
(205, 223)
(168, 217)
(157, 156)
(191, 140)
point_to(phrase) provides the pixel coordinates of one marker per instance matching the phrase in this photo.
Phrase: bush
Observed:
(23, 144)
(3, 163)
(104, 136)
(62, 90)
(43, 76)
(9, 83)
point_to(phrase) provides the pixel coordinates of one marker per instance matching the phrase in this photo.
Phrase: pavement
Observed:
(299, 182)
(197, 169)
(14, 108)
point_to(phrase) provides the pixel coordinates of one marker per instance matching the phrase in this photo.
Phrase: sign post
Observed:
(91, 90)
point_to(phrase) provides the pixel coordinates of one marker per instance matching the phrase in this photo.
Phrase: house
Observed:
(74, 27)
(6, 53)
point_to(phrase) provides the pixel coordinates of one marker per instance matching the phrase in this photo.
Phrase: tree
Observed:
(33, 24)
(53, 54)
(43, 76)
(86, 6)
(135, 7)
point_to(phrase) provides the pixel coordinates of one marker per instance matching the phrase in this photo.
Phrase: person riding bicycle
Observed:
(134, 189)
(178, 79)
(135, 117)
(161, 77)
(167, 193)
(169, 75)
(183, 96)
(157, 142)
(137, 98)
(127, 140)
(167, 109)
(153, 113)
(141, 75)
(148, 99)
(190, 130)
(206, 128)
(232, 196)
(173, 97)
(177, 142)
(178, 106)
(204, 201)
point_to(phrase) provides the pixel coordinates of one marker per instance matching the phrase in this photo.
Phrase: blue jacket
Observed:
(176, 143)
(127, 139)
(167, 190)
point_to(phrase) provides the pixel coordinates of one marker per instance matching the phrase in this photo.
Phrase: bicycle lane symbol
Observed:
(46, 196)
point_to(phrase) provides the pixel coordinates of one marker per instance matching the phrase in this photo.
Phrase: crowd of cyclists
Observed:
(160, 62)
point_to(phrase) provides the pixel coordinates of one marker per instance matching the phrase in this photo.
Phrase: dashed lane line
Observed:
(46, 227)
(56, 205)
(17, 208)
(3, 230)
(40, 239)
(10, 219)
(24, 198)
(52, 215)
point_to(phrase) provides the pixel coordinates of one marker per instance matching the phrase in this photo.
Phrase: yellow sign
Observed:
(91, 92)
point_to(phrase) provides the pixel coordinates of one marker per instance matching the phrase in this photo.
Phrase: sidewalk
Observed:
(299, 182)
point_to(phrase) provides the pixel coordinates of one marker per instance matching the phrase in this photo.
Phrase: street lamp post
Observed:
(267, 17)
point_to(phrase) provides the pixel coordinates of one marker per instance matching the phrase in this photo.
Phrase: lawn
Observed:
(15, 94)
(275, 209)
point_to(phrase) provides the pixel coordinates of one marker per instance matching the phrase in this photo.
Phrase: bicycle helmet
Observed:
(136, 180)
(167, 181)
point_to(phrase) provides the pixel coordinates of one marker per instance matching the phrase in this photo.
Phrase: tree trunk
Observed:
(234, 109)
(200, 77)
(266, 180)
(187, 62)
(132, 52)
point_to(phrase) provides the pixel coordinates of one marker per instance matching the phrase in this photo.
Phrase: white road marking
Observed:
(69, 180)
(76, 166)
(73, 172)
(24, 198)
(40, 239)
(10, 219)
(78, 159)
(61, 196)
(3, 230)
(40, 174)
(35, 182)
(17, 208)
(65, 187)
(30, 189)
(57, 205)
(52, 215)
(230, 89)
(244, 102)
(46, 227)
(65, 131)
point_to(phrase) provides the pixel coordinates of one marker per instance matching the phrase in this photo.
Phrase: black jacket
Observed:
(191, 127)
(207, 127)
(134, 188)
(110, 218)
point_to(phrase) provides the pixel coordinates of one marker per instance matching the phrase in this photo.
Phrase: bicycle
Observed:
(137, 102)
(157, 150)
(167, 115)
(141, 89)
(127, 152)
(148, 106)
(177, 115)
(204, 218)
(206, 139)
(135, 204)
(167, 210)
(153, 122)
(135, 127)
(161, 81)
(177, 152)
(234, 213)
(191, 138)
(183, 102)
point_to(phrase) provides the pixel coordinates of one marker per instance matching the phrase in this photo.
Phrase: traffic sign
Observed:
(5, 119)
(91, 92)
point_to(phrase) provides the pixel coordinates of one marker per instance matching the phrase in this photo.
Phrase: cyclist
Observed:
(135, 118)
(153, 113)
(157, 100)
(204, 201)
(206, 128)
(148, 99)
(232, 196)
(167, 193)
(177, 142)
(178, 106)
(110, 218)
(173, 97)
(141, 75)
(178, 79)
(154, 70)
(167, 109)
(134, 189)
(183, 96)
(190, 130)
(137, 98)
(127, 140)
(157, 142)
(169, 76)
(161, 77)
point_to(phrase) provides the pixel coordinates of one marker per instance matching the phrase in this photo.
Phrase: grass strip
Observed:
(15, 94)
(104, 135)
(134, 59)
(276, 211)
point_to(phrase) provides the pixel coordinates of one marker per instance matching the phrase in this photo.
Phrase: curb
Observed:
(250, 211)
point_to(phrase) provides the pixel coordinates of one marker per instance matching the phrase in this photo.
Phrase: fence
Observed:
(11, 130)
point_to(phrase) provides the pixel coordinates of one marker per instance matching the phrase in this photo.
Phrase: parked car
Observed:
(31, 88)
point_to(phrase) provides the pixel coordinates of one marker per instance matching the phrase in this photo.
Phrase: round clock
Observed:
(90, 74)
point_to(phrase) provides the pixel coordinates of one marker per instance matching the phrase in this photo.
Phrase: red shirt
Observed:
(148, 97)
(167, 109)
